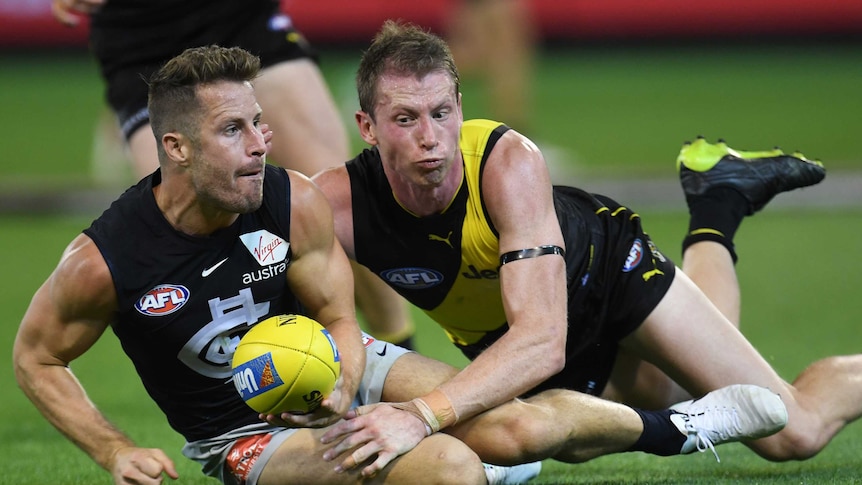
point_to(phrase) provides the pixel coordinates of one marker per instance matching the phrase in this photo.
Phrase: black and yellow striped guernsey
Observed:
(446, 264)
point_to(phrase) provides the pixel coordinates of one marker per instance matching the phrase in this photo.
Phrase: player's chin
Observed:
(250, 201)
(250, 185)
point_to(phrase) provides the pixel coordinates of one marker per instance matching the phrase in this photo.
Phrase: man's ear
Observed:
(366, 127)
(177, 148)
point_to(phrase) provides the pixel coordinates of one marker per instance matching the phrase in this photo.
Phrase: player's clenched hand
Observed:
(67, 11)
(375, 430)
(319, 418)
(338, 400)
(141, 466)
(330, 410)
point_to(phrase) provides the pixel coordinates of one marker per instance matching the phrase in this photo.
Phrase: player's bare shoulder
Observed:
(514, 151)
(83, 276)
(518, 194)
(311, 216)
(303, 191)
(335, 184)
(515, 168)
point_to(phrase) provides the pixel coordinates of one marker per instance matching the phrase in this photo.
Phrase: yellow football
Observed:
(286, 363)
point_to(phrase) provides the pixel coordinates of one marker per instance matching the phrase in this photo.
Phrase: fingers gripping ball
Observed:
(286, 363)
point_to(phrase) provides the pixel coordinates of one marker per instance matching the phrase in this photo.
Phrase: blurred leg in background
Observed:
(495, 41)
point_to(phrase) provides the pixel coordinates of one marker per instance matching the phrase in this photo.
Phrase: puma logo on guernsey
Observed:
(434, 237)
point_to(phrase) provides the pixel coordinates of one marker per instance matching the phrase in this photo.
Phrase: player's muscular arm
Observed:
(335, 185)
(322, 278)
(518, 194)
(534, 296)
(65, 318)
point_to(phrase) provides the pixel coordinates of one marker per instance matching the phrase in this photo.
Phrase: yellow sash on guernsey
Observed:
(474, 305)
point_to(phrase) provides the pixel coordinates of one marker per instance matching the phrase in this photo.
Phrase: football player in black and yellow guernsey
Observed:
(547, 287)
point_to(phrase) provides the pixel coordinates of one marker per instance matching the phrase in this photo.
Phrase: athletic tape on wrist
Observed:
(434, 410)
(413, 409)
(438, 406)
(427, 414)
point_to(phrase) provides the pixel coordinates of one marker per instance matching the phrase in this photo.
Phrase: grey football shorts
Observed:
(238, 457)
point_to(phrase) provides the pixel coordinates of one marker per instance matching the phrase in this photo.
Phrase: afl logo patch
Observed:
(162, 300)
(412, 278)
(636, 254)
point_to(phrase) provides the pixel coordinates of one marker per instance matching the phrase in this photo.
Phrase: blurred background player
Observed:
(495, 41)
(131, 39)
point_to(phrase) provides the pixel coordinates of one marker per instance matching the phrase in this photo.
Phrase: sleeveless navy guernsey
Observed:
(184, 302)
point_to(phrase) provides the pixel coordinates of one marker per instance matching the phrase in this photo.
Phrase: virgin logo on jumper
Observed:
(266, 247)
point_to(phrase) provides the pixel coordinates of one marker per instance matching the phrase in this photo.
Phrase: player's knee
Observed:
(792, 443)
(520, 435)
(522, 440)
(451, 461)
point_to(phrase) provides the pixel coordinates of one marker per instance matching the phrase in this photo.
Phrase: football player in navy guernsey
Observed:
(547, 287)
(215, 241)
(179, 267)
(131, 39)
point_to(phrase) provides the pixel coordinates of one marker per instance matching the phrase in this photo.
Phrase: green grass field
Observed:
(614, 112)
(800, 275)
(610, 111)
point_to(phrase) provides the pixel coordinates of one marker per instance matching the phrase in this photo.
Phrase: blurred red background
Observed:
(28, 23)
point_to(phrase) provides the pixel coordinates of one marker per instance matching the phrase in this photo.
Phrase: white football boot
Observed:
(733, 413)
(512, 475)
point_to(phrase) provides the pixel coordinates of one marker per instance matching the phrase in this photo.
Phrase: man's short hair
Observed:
(405, 49)
(173, 103)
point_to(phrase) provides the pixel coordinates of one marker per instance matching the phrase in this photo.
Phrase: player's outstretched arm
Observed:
(517, 192)
(321, 277)
(66, 317)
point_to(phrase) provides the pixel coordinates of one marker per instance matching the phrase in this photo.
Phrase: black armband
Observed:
(531, 253)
